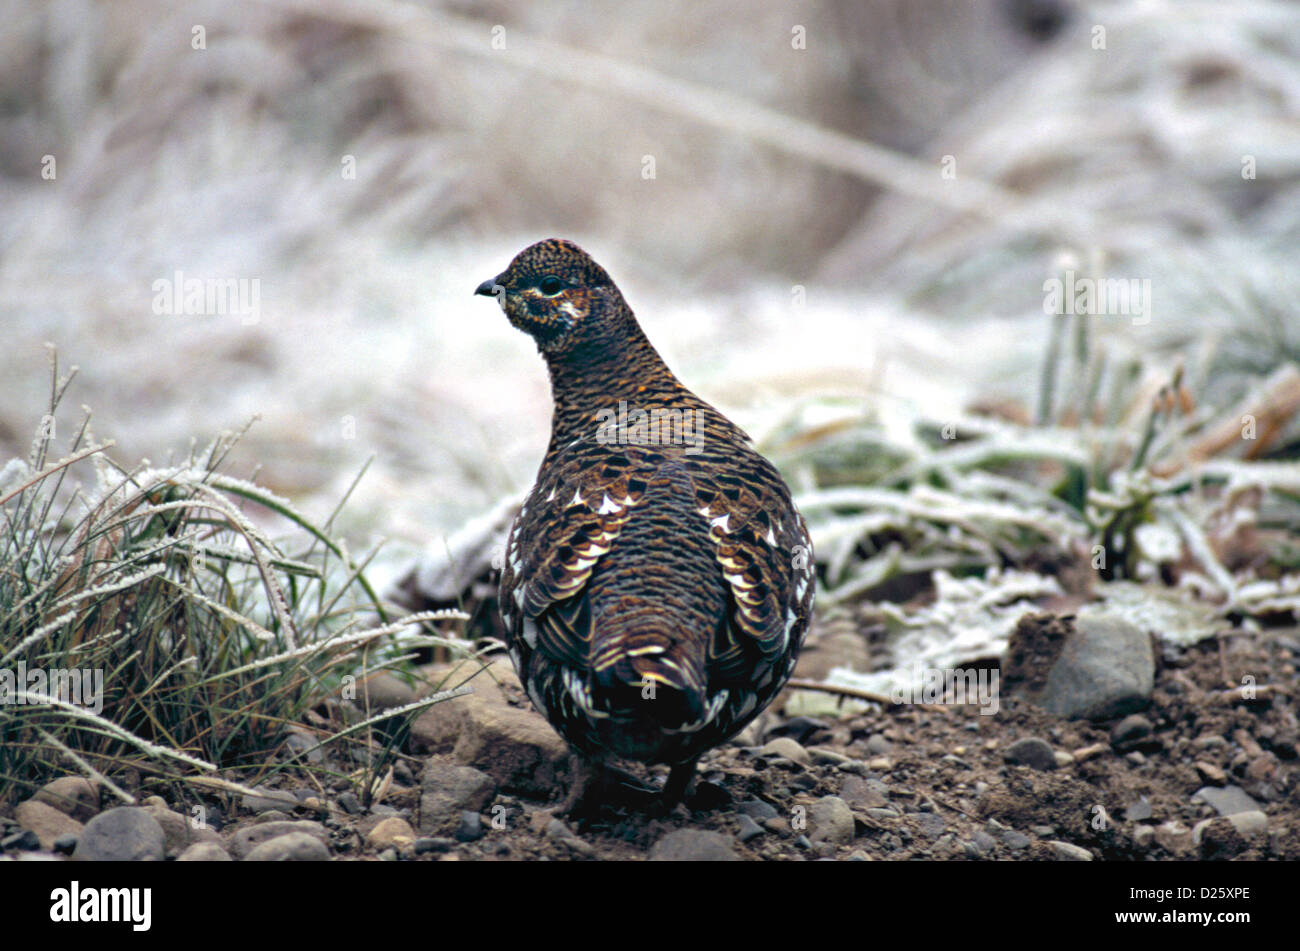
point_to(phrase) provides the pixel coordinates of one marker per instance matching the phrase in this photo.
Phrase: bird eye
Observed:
(551, 285)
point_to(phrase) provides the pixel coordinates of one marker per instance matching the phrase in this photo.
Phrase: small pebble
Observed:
(25, 841)
(877, 745)
(1132, 729)
(350, 804)
(1069, 852)
(1032, 752)
(747, 828)
(757, 809)
(471, 827)
(1015, 840)
(1211, 774)
(1137, 811)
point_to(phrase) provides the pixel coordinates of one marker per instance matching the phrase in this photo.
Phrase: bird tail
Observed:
(644, 652)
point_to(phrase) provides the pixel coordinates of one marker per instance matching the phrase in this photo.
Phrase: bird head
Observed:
(555, 292)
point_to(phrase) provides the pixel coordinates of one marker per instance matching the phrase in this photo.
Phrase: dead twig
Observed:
(855, 694)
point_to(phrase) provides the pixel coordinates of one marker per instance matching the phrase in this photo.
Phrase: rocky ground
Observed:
(1201, 771)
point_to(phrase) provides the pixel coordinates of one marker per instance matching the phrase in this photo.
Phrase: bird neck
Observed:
(604, 374)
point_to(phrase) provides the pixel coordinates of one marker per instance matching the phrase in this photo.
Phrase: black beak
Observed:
(487, 288)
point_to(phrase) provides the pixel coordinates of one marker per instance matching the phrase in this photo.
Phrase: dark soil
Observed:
(921, 782)
(951, 794)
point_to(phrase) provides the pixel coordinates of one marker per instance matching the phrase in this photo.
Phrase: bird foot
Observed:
(594, 785)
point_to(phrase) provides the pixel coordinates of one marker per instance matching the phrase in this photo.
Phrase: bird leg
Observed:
(593, 784)
(679, 780)
(583, 777)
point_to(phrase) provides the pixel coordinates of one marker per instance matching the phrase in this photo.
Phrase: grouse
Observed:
(658, 579)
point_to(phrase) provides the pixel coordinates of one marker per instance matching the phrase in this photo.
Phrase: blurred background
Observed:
(816, 209)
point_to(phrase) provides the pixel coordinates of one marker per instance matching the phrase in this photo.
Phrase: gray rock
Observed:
(302, 743)
(747, 828)
(1226, 800)
(1031, 751)
(785, 748)
(831, 821)
(176, 829)
(1069, 852)
(65, 844)
(1143, 836)
(1137, 811)
(930, 825)
(383, 691)
(448, 790)
(244, 840)
(798, 728)
(123, 834)
(291, 847)
(1105, 668)
(864, 793)
(1015, 840)
(821, 756)
(204, 852)
(877, 745)
(350, 803)
(983, 842)
(693, 845)
(1134, 728)
(433, 844)
(272, 815)
(470, 828)
(757, 809)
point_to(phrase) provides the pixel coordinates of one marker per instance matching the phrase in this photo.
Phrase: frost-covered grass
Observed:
(1177, 513)
(206, 631)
